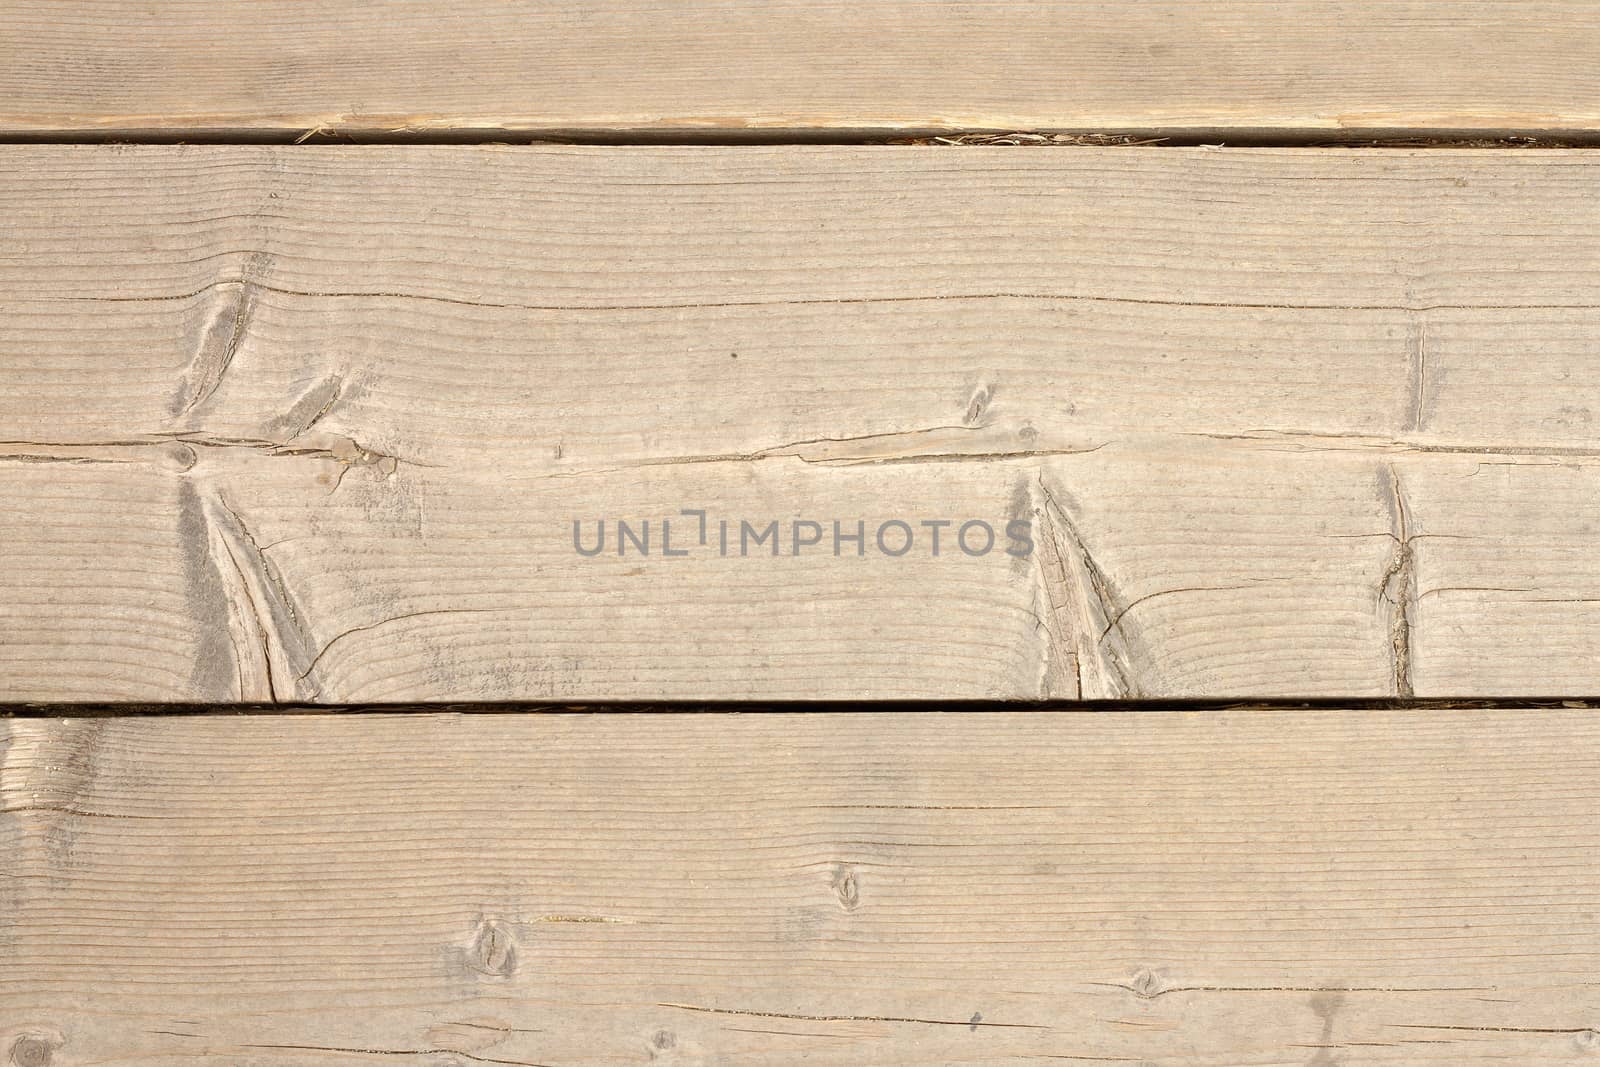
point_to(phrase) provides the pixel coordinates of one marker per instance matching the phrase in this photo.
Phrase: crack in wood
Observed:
(970, 1023)
(312, 407)
(158, 448)
(1080, 595)
(1397, 585)
(222, 338)
(1317, 441)
(263, 611)
(317, 659)
(1163, 991)
(351, 1050)
(910, 298)
(1418, 337)
(899, 446)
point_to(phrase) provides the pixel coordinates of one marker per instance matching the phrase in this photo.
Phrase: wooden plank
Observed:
(1178, 889)
(316, 424)
(222, 66)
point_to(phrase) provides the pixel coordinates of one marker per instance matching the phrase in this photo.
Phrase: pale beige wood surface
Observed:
(1225, 889)
(315, 423)
(535, 65)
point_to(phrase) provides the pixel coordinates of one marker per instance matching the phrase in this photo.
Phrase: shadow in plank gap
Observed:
(799, 707)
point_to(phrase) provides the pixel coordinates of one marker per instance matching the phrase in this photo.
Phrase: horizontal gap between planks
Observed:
(1186, 137)
(794, 707)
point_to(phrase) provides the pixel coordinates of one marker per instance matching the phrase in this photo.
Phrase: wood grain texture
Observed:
(534, 65)
(1267, 887)
(316, 423)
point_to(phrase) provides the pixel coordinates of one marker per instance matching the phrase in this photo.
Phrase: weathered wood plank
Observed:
(316, 424)
(220, 65)
(1188, 890)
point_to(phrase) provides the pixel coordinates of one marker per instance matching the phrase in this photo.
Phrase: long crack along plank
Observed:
(333, 424)
(230, 66)
(1224, 889)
